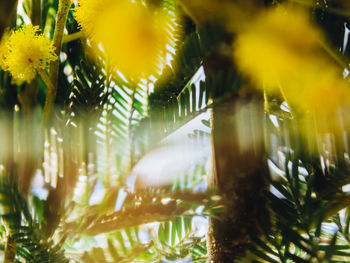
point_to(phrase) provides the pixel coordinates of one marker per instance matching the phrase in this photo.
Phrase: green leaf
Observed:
(173, 233)
(178, 223)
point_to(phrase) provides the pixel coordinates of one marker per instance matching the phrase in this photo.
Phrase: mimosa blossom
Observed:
(132, 37)
(25, 52)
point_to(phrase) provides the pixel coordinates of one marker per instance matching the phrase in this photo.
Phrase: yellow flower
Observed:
(88, 11)
(282, 49)
(319, 90)
(3, 49)
(133, 37)
(26, 52)
(275, 45)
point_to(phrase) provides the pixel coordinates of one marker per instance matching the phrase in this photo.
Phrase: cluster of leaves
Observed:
(23, 227)
(307, 203)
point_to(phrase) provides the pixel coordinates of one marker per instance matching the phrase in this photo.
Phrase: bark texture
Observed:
(239, 168)
(239, 176)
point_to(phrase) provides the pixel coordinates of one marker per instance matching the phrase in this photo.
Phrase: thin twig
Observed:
(333, 55)
(50, 98)
(62, 14)
(72, 37)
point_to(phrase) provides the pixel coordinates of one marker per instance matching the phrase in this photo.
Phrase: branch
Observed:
(62, 14)
(50, 98)
(133, 215)
(72, 37)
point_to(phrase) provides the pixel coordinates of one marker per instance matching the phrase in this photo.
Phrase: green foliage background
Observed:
(119, 122)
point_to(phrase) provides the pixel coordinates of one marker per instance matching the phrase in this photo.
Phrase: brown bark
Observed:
(239, 177)
(239, 168)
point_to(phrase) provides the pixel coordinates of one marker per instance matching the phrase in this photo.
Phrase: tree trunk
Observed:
(239, 169)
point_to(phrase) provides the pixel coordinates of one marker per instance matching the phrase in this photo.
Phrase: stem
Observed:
(62, 14)
(292, 110)
(72, 37)
(134, 216)
(333, 55)
(50, 98)
(35, 15)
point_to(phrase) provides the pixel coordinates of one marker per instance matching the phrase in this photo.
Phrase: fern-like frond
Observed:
(22, 229)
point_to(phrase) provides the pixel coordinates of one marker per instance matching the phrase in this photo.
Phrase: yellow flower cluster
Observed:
(133, 37)
(275, 45)
(3, 49)
(282, 50)
(24, 52)
(88, 11)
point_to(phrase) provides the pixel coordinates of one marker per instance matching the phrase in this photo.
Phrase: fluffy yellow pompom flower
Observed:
(275, 45)
(25, 52)
(3, 49)
(88, 11)
(319, 89)
(282, 49)
(133, 37)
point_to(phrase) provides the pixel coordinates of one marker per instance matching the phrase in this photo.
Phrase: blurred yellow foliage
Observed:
(319, 90)
(24, 52)
(275, 45)
(281, 49)
(133, 38)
